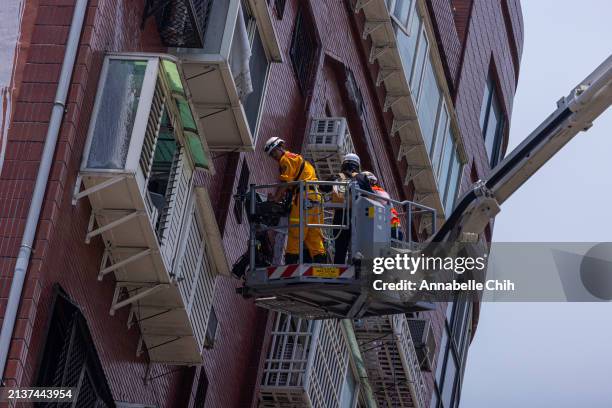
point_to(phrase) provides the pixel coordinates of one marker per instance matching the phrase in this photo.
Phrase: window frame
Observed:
(252, 26)
(416, 93)
(303, 21)
(412, 9)
(438, 108)
(491, 96)
(140, 119)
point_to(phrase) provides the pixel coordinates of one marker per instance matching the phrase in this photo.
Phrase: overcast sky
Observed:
(549, 354)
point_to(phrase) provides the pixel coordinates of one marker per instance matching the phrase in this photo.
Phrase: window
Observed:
(182, 24)
(200, 398)
(243, 186)
(402, 11)
(304, 50)
(211, 329)
(259, 64)
(492, 122)
(70, 358)
(419, 62)
(349, 389)
(119, 98)
(451, 357)
(354, 92)
(407, 42)
(429, 104)
(450, 375)
(450, 193)
(447, 155)
(279, 7)
(442, 132)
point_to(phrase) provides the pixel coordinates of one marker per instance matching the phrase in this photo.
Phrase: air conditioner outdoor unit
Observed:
(328, 142)
(424, 342)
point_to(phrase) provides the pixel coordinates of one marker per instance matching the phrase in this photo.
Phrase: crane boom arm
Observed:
(575, 113)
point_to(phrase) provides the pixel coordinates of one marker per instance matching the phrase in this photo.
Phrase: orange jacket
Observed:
(395, 221)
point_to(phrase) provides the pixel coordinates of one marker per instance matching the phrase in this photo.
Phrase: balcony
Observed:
(417, 95)
(142, 151)
(391, 361)
(226, 69)
(308, 365)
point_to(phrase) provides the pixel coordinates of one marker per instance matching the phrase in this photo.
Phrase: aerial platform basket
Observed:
(324, 291)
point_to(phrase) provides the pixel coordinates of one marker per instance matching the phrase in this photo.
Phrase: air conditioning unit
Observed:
(328, 142)
(424, 342)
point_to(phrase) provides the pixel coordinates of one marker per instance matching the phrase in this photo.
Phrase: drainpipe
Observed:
(366, 389)
(23, 259)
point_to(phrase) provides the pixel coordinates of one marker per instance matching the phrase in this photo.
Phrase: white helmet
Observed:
(352, 158)
(273, 143)
(371, 177)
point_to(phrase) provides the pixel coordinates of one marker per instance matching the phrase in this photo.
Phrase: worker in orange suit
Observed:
(293, 167)
(396, 232)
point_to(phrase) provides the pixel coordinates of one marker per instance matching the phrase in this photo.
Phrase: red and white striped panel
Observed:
(294, 271)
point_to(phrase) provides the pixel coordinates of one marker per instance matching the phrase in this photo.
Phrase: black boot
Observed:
(320, 259)
(291, 259)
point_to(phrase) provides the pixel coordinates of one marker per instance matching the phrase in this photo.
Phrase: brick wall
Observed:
(110, 25)
(114, 25)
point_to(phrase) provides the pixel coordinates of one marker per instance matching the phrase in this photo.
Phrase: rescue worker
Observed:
(396, 232)
(350, 171)
(293, 167)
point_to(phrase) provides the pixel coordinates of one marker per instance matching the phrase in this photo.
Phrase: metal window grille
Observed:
(330, 365)
(197, 282)
(243, 185)
(279, 6)
(354, 92)
(306, 364)
(391, 361)
(303, 51)
(152, 132)
(177, 194)
(69, 357)
(181, 23)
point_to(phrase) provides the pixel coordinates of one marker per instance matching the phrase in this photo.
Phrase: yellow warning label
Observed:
(325, 272)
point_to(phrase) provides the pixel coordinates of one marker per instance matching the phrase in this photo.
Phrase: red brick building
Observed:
(426, 89)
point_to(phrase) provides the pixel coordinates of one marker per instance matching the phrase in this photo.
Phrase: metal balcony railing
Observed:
(181, 23)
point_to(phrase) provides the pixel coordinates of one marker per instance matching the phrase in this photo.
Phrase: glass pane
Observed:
(259, 68)
(438, 143)
(348, 391)
(492, 126)
(407, 46)
(186, 116)
(415, 80)
(196, 150)
(449, 312)
(449, 380)
(173, 77)
(215, 26)
(486, 100)
(116, 113)
(447, 154)
(453, 182)
(428, 105)
(459, 322)
(434, 400)
(402, 10)
(441, 356)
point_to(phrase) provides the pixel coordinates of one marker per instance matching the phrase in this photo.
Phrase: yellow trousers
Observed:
(313, 237)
